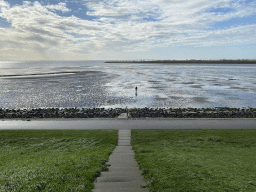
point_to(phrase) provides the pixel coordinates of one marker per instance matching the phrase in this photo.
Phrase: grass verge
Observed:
(52, 160)
(198, 160)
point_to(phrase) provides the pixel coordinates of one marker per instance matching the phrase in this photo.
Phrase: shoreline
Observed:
(133, 113)
(192, 61)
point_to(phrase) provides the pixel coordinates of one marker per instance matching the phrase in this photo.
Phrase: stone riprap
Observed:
(223, 112)
(61, 113)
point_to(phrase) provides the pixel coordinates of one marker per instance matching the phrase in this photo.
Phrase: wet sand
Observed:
(97, 85)
(147, 123)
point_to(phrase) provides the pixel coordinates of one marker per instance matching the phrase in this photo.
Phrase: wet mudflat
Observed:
(96, 84)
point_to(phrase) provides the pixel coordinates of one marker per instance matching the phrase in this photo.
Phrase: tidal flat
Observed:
(198, 160)
(53, 160)
(95, 84)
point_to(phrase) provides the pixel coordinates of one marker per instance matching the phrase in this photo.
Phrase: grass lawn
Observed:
(198, 160)
(53, 160)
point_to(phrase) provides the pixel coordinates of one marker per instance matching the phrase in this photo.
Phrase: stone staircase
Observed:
(123, 174)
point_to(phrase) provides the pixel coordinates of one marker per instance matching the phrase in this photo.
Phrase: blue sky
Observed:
(127, 29)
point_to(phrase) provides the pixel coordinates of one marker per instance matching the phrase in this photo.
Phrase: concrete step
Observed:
(123, 155)
(124, 134)
(122, 164)
(118, 163)
(123, 160)
(123, 116)
(123, 147)
(124, 137)
(124, 144)
(124, 140)
(124, 130)
(115, 154)
(120, 190)
(114, 185)
(118, 179)
(120, 173)
(120, 151)
(124, 150)
(120, 160)
(110, 169)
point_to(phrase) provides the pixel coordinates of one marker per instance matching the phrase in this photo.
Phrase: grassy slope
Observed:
(202, 160)
(53, 160)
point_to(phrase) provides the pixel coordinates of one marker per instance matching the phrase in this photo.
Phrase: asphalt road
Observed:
(172, 124)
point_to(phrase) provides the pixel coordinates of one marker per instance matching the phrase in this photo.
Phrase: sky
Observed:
(127, 29)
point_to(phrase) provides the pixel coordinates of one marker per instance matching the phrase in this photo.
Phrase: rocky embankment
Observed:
(194, 113)
(61, 113)
(133, 113)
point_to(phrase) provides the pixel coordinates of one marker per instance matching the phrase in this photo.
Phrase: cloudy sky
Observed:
(127, 29)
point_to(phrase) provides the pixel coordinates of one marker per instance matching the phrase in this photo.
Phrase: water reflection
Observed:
(112, 85)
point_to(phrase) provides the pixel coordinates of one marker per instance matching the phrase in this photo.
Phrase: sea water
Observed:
(93, 84)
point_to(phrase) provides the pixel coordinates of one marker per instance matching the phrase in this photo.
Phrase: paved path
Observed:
(123, 174)
(130, 124)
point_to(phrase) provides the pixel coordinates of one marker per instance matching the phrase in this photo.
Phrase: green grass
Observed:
(53, 160)
(199, 160)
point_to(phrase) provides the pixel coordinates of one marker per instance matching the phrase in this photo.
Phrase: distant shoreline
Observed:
(224, 61)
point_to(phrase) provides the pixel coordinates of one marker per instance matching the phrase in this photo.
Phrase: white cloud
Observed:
(231, 36)
(123, 25)
(59, 7)
(4, 5)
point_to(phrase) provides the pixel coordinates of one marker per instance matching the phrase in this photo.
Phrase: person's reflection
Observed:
(136, 91)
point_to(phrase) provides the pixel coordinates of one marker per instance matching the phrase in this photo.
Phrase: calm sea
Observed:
(91, 84)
